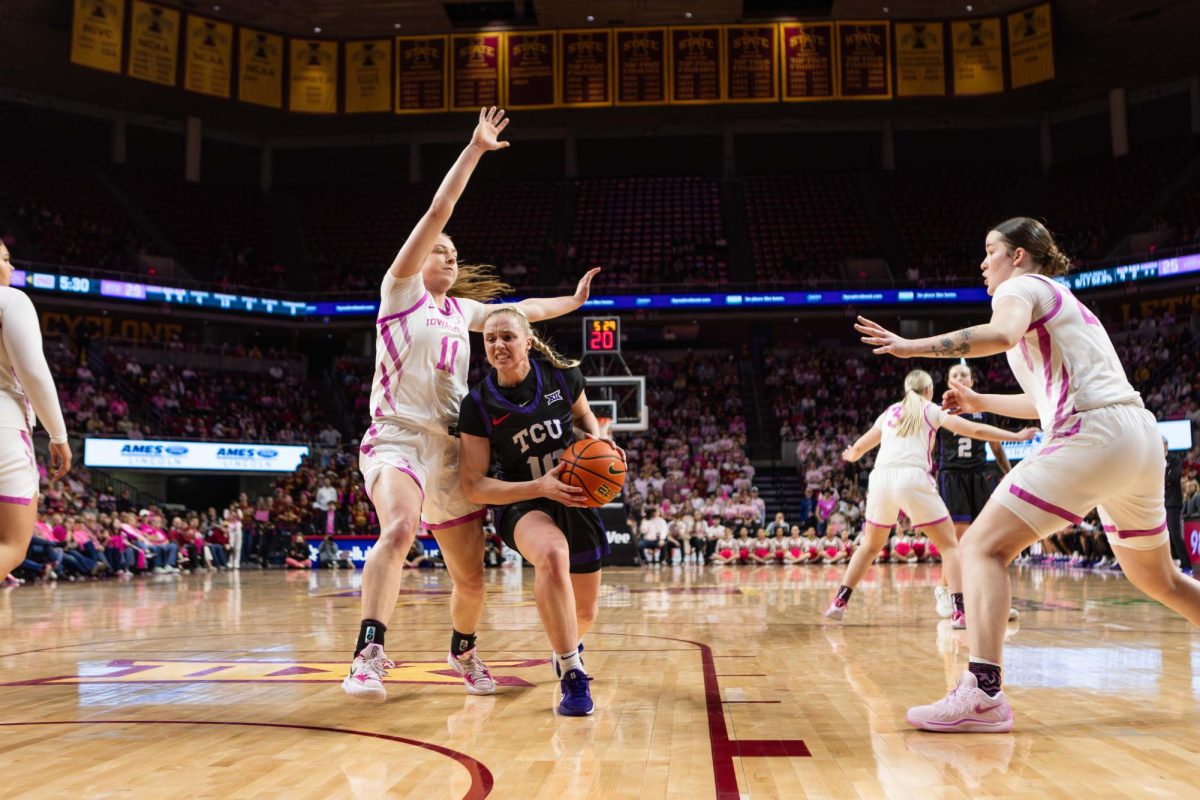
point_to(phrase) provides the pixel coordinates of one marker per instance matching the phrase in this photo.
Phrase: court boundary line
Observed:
(482, 781)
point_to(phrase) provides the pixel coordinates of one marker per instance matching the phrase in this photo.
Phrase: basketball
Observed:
(596, 467)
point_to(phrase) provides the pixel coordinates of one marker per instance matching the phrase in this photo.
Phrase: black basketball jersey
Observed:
(528, 425)
(962, 453)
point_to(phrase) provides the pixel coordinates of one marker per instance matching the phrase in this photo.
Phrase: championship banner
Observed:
(978, 58)
(694, 61)
(368, 76)
(751, 63)
(586, 68)
(476, 61)
(1030, 46)
(641, 56)
(864, 60)
(532, 63)
(422, 67)
(920, 59)
(153, 43)
(208, 57)
(260, 68)
(808, 56)
(314, 76)
(97, 31)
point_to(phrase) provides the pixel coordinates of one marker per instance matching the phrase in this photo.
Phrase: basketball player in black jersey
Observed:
(964, 480)
(519, 419)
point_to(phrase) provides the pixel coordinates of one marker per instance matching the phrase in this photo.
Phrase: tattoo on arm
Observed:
(954, 345)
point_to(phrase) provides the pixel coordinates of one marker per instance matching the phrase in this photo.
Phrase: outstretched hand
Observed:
(584, 289)
(1025, 434)
(487, 132)
(609, 440)
(884, 341)
(960, 399)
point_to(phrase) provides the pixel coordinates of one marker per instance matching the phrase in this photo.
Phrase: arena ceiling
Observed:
(1100, 44)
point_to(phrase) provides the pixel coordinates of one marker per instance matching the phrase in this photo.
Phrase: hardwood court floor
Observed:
(708, 682)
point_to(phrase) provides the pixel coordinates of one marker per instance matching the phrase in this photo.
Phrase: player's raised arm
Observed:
(961, 399)
(986, 433)
(537, 309)
(424, 236)
(1010, 320)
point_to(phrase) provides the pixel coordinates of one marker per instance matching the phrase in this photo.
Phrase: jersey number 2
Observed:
(443, 364)
(964, 447)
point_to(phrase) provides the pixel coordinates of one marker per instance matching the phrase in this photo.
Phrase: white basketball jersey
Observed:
(422, 355)
(1065, 362)
(914, 450)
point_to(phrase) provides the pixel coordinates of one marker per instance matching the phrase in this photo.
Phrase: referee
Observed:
(964, 479)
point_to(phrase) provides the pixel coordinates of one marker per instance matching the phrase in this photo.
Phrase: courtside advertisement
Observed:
(197, 456)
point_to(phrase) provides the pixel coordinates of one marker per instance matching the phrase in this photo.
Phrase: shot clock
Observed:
(601, 335)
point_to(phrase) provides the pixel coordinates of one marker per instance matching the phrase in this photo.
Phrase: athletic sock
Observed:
(569, 661)
(957, 597)
(843, 596)
(987, 674)
(461, 643)
(370, 632)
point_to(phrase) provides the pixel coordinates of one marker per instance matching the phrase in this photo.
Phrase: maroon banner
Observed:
(864, 60)
(641, 55)
(586, 67)
(695, 65)
(751, 63)
(531, 69)
(808, 61)
(475, 63)
(421, 69)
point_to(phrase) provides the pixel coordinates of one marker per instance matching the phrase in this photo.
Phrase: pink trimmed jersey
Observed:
(915, 450)
(422, 354)
(1065, 362)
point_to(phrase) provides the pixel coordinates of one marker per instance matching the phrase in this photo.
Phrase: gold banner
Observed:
(153, 43)
(1030, 46)
(694, 63)
(641, 66)
(208, 56)
(865, 60)
(314, 76)
(920, 59)
(368, 76)
(476, 61)
(978, 57)
(531, 64)
(422, 69)
(97, 30)
(751, 63)
(260, 68)
(808, 61)
(585, 67)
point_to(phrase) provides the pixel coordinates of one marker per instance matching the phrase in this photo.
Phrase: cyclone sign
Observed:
(192, 456)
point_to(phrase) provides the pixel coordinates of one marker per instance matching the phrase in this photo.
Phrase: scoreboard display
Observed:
(601, 335)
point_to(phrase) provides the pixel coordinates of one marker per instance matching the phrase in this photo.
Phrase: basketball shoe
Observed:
(557, 668)
(365, 680)
(966, 709)
(945, 604)
(959, 621)
(576, 695)
(836, 610)
(474, 672)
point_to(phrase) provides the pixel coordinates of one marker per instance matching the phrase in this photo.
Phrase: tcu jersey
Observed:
(529, 425)
(1065, 362)
(422, 355)
(962, 453)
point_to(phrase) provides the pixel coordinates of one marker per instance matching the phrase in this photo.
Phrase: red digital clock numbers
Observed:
(602, 335)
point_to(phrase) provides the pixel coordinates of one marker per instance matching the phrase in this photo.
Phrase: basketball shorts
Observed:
(894, 489)
(429, 458)
(965, 493)
(18, 467)
(1112, 460)
(587, 541)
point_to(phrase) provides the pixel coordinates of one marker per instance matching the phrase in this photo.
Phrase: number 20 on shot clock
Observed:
(601, 335)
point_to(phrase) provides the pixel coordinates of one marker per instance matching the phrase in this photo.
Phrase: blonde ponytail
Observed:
(912, 413)
(552, 356)
(478, 282)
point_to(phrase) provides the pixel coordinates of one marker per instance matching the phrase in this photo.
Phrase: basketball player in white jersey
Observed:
(27, 394)
(1101, 450)
(903, 481)
(409, 455)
